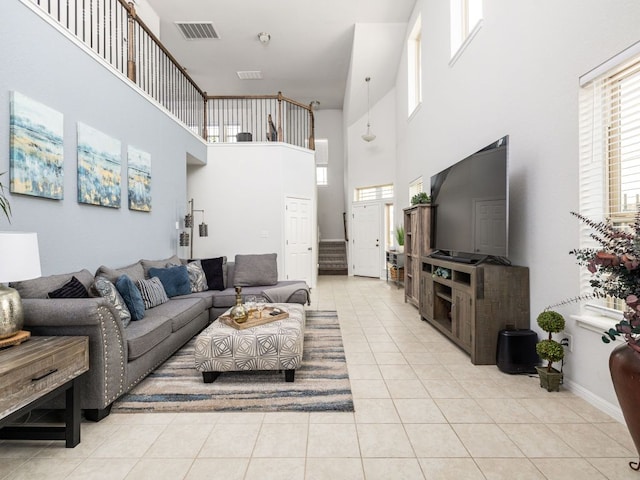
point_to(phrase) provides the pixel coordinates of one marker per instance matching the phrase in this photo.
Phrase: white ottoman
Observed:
(273, 346)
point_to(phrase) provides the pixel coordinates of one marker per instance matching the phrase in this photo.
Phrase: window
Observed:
(609, 146)
(466, 20)
(321, 175)
(414, 65)
(415, 187)
(373, 193)
(230, 132)
(322, 161)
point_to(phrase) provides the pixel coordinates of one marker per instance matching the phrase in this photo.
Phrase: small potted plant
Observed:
(421, 197)
(400, 238)
(550, 350)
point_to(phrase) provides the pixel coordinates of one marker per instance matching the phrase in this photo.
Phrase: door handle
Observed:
(309, 248)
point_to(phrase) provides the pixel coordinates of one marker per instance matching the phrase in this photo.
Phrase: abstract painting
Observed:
(139, 179)
(36, 160)
(99, 168)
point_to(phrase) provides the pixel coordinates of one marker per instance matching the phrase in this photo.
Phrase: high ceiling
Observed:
(308, 57)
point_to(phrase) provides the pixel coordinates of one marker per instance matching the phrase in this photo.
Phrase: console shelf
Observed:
(470, 304)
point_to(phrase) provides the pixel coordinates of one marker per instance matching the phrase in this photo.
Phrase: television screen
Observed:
(471, 206)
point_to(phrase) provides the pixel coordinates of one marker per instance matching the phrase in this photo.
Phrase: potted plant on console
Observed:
(420, 198)
(400, 238)
(550, 350)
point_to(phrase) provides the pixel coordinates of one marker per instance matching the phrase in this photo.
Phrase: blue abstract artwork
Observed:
(139, 179)
(99, 168)
(36, 151)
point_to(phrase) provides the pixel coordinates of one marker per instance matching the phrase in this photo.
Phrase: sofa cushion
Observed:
(40, 287)
(134, 271)
(143, 336)
(72, 289)
(131, 296)
(147, 264)
(207, 296)
(252, 270)
(104, 288)
(174, 279)
(214, 272)
(227, 297)
(152, 292)
(197, 277)
(180, 310)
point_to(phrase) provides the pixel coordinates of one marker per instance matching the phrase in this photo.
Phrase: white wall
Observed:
(47, 66)
(331, 204)
(519, 77)
(243, 189)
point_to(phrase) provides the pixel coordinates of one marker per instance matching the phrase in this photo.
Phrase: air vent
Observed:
(197, 30)
(250, 75)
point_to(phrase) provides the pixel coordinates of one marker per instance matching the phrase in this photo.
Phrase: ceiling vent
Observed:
(250, 75)
(197, 30)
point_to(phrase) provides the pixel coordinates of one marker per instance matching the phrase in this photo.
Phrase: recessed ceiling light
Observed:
(250, 75)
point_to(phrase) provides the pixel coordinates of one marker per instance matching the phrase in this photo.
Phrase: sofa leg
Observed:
(209, 377)
(97, 414)
(289, 375)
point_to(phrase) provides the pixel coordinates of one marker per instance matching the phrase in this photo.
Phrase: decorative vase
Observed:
(549, 379)
(624, 365)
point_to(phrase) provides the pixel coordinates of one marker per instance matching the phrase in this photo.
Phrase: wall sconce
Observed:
(203, 228)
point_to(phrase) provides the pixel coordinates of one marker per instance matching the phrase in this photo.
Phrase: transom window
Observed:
(373, 193)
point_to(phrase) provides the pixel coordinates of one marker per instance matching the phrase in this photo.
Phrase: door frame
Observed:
(313, 267)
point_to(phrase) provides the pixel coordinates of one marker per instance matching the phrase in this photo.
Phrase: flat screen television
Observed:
(471, 201)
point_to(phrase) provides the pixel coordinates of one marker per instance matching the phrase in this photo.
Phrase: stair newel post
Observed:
(280, 134)
(205, 101)
(131, 41)
(312, 133)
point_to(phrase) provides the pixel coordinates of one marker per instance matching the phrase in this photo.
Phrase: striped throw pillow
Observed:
(152, 292)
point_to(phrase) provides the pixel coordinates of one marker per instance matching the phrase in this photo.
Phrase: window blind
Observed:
(609, 149)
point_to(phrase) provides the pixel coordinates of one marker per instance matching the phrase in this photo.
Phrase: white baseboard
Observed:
(598, 402)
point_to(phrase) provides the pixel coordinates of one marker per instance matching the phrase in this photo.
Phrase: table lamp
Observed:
(19, 260)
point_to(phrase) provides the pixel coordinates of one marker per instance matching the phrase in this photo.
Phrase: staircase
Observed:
(332, 258)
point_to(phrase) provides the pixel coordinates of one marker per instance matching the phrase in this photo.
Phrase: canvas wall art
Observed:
(139, 179)
(99, 168)
(36, 152)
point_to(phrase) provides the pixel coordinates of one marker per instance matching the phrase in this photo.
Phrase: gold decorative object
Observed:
(239, 312)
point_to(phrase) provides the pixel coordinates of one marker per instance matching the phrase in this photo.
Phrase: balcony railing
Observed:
(113, 31)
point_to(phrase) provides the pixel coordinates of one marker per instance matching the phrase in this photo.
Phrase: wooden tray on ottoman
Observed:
(254, 319)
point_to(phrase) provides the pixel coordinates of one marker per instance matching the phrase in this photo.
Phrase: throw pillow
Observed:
(152, 292)
(131, 296)
(175, 280)
(213, 271)
(72, 289)
(105, 289)
(197, 277)
(255, 270)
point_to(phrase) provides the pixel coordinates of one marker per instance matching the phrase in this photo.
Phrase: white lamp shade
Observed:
(19, 256)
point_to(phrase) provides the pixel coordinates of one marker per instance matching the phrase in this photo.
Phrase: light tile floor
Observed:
(423, 411)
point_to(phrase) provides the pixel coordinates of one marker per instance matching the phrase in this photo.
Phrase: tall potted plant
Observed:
(550, 350)
(615, 267)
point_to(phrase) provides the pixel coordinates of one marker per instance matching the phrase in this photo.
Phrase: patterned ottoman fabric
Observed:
(272, 346)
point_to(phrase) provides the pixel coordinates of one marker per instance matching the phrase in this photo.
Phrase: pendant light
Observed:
(368, 137)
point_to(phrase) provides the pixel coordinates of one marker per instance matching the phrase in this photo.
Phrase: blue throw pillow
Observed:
(131, 296)
(175, 280)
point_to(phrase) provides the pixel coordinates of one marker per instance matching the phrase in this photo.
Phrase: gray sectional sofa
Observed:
(121, 354)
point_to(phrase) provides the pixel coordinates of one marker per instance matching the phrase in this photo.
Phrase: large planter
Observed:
(549, 380)
(624, 365)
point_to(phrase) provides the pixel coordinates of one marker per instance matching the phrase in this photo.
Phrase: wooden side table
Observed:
(35, 372)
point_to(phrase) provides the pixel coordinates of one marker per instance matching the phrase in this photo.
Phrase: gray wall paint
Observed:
(46, 66)
(331, 202)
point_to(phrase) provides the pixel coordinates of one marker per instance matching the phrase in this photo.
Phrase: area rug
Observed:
(321, 383)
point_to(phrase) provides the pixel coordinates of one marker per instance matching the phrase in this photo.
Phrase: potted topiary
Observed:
(550, 350)
(400, 238)
(421, 197)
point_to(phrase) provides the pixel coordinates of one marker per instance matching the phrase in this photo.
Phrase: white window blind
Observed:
(609, 149)
(373, 193)
(416, 187)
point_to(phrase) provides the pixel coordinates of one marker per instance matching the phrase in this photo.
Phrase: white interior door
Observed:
(490, 224)
(298, 249)
(366, 240)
